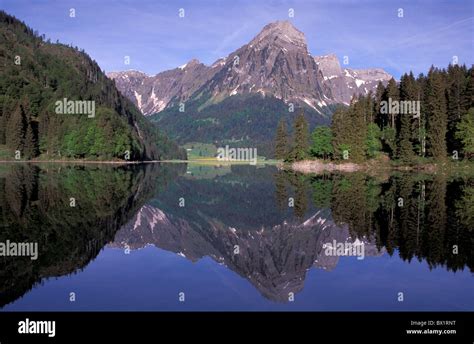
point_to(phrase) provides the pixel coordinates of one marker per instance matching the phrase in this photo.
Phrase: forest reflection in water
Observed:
(430, 217)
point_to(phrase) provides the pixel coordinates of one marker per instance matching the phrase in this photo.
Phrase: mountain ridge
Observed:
(239, 100)
(276, 62)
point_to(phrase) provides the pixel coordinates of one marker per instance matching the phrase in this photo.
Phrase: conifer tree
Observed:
(369, 108)
(408, 93)
(357, 131)
(373, 143)
(322, 142)
(301, 138)
(465, 134)
(338, 127)
(468, 94)
(420, 123)
(436, 115)
(379, 96)
(15, 134)
(392, 92)
(281, 141)
(456, 79)
(349, 129)
(30, 145)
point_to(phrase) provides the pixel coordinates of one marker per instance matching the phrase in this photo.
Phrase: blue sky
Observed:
(369, 32)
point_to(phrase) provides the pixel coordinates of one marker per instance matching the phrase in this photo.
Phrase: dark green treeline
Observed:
(429, 117)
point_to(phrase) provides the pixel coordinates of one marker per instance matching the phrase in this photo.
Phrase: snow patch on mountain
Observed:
(138, 98)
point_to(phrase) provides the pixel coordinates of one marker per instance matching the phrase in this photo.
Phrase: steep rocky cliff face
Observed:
(345, 83)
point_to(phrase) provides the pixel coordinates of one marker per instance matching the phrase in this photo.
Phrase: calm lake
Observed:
(194, 237)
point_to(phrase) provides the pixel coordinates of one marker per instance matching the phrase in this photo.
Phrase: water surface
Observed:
(190, 237)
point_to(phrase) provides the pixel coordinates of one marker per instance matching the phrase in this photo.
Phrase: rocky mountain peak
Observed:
(372, 74)
(280, 32)
(127, 74)
(329, 65)
(192, 63)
